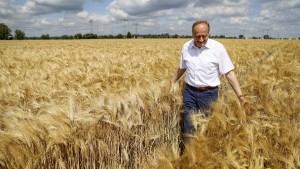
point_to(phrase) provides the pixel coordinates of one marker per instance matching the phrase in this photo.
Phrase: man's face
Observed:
(200, 34)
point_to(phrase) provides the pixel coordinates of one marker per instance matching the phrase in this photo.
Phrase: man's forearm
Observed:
(232, 79)
(178, 74)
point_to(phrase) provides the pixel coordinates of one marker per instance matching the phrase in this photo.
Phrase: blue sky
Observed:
(227, 17)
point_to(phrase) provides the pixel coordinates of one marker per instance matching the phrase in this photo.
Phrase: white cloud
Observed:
(163, 13)
(82, 14)
(236, 2)
(62, 19)
(28, 7)
(101, 18)
(115, 9)
(5, 8)
(95, 17)
(281, 11)
(127, 8)
(225, 11)
(45, 6)
(45, 21)
(6, 12)
(152, 16)
(239, 20)
(5, 3)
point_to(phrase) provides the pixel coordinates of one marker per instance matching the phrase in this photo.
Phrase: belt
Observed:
(201, 89)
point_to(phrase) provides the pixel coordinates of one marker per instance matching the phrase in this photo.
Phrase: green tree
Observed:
(89, 36)
(241, 37)
(119, 36)
(45, 36)
(267, 37)
(4, 31)
(66, 37)
(78, 36)
(176, 36)
(19, 34)
(129, 35)
(165, 35)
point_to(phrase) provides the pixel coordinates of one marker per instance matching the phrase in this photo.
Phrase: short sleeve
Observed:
(225, 63)
(182, 64)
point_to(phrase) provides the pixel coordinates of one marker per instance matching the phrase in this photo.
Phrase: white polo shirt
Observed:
(204, 65)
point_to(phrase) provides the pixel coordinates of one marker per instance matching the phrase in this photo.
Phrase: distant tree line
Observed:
(5, 34)
(118, 36)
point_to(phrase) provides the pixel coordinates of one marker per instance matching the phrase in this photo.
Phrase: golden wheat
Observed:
(110, 104)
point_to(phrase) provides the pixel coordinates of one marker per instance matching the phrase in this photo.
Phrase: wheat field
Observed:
(111, 104)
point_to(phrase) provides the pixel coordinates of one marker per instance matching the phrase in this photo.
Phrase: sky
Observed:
(276, 18)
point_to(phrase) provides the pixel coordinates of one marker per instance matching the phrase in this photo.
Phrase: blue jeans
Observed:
(193, 102)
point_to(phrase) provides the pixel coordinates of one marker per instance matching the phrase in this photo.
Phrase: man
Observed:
(204, 60)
